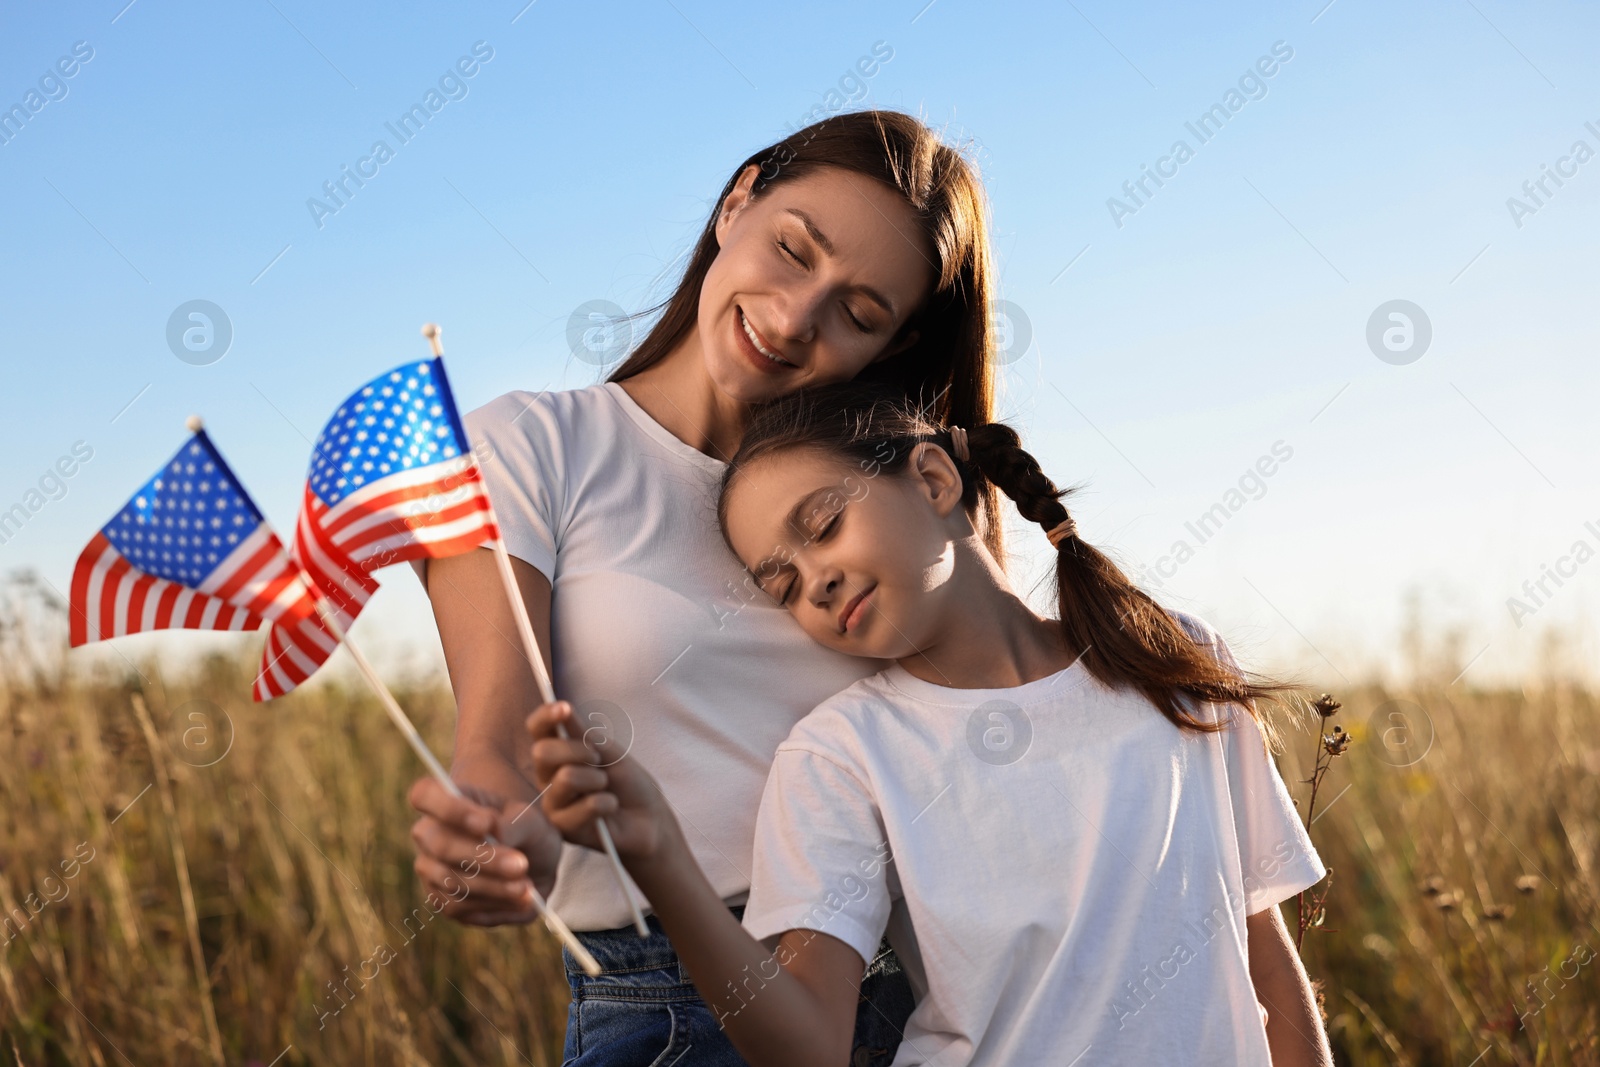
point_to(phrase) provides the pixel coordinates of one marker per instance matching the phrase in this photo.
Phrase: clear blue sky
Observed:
(1227, 313)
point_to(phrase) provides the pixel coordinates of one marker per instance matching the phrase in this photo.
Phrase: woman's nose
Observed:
(795, 316)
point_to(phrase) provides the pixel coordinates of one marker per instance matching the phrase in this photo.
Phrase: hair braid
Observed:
(998, 455)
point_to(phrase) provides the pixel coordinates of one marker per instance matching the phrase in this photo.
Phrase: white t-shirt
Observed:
(664, 648)
(1063, 873)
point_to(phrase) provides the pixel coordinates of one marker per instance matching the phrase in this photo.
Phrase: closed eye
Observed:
(823, 533)
(790, 252)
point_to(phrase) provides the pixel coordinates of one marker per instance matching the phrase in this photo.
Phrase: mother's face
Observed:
(814, 280)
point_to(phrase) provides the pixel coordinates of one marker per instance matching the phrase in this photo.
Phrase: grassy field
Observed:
(190, 878)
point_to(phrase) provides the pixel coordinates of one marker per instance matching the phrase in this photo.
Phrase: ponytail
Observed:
(1120, 634)
(1124, 636)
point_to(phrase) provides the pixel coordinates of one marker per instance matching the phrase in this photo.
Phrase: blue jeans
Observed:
(643, 1011)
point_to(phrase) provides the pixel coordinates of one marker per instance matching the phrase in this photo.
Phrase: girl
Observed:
(1077, 857)
(855, 247)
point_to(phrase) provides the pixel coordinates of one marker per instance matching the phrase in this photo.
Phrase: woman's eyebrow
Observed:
(811, 228)
(827, 246)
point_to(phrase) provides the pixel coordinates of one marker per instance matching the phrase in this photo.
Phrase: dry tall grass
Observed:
(1460, 925)
(291, 822)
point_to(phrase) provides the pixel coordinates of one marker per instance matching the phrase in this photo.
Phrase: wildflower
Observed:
(1326, 705)
(1527, 884)
(1335, 743)
(1498, 912)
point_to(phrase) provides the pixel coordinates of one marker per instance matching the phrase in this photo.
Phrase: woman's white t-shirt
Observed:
(665, 648)
(1064, 874)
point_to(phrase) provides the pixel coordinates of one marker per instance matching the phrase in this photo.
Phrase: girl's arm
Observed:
(1294, 1027)
(793, 1006)
(494, 688)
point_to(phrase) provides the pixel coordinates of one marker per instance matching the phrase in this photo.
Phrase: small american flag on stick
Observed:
(190, 551)
(392, 479)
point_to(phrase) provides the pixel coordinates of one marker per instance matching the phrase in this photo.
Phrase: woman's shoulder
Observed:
(548, 423)
(525, 409)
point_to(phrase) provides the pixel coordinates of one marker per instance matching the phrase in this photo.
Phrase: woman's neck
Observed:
(679, 394)
(987, 636)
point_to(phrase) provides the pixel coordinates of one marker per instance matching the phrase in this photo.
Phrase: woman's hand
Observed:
(576, 792)
(482, 884)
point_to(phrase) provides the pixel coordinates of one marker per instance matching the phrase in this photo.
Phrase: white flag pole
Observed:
(557, 926)
(530, 648)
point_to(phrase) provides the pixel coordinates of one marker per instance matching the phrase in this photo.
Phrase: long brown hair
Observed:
(950, 369)
(1123, 636)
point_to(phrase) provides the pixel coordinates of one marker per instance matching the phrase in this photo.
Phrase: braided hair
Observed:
(1124, 638)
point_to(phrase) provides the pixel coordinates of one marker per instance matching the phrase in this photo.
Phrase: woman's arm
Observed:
(494, 688)
(793, 1006)
(1294, 1027)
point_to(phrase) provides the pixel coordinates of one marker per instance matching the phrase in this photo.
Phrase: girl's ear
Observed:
(936, 477)
(736, 200)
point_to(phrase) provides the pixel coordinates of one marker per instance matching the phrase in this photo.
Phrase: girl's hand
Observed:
(577, 792)
(482, 884)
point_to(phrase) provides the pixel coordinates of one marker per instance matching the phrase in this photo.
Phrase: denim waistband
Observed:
(623, 951)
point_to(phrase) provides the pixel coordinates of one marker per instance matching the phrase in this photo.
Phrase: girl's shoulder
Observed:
(845, 725)
(1206, 636)
(1199, 631)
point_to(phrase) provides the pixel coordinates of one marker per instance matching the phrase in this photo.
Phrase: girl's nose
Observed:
(824, 585)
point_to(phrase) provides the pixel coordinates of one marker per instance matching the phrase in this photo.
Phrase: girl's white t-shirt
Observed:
(1064, 874)
(665, 649)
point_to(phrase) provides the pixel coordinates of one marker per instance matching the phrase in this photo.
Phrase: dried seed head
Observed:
(1335, 743)
(1326, 705)
(1528, 883)
(1499, 912)
(1448, 901)
(1432, 886)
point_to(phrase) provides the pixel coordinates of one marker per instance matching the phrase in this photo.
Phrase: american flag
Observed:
(392, 479)
(188, 551)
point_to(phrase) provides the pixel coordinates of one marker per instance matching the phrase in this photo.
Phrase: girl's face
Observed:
(813, 281)
(863, 563)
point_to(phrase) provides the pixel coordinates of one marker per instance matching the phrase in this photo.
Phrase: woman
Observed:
(855, 248)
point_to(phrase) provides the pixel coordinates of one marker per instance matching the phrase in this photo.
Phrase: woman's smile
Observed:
(755, 348)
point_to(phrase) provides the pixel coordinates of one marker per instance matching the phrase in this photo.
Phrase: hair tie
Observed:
(958, 441)
(1062, 530)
